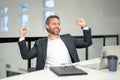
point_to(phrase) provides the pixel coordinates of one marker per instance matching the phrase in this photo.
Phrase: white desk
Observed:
(49, 75)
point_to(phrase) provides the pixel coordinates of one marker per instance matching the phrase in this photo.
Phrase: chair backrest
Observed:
(31, 69)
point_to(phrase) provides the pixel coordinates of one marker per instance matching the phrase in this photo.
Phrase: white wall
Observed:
(10, 56)
(102, 15)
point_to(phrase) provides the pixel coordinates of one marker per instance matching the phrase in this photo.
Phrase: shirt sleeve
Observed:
(21, 39)
(86, 28)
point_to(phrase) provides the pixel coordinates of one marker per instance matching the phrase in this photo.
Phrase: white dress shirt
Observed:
(57, 53)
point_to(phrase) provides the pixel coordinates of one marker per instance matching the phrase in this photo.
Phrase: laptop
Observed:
(109, 50)
(106, 51)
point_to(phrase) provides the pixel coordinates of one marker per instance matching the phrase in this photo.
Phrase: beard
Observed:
(54, 31)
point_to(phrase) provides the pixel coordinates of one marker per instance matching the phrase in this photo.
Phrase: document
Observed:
(67, 70)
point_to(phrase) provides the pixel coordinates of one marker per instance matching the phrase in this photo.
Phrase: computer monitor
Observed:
(106, 51)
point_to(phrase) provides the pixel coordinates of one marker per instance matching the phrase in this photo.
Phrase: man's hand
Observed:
(23, 31)
(81, 22)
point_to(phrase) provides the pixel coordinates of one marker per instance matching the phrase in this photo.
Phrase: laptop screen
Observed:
(109, 50)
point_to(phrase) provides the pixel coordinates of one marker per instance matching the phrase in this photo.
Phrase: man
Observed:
(55, 49)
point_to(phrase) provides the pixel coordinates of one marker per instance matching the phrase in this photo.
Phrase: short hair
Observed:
(50, 17)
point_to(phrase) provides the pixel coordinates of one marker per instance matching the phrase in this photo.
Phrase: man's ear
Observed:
(46, 26)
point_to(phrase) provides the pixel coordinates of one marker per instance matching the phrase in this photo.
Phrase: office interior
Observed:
(102, 16)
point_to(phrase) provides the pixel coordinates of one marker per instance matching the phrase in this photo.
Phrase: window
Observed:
(48, 3)
(46, 14)
(24, 18)
(4, 19)
(48, 9)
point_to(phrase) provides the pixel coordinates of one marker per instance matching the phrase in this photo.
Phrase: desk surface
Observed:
(49, 75)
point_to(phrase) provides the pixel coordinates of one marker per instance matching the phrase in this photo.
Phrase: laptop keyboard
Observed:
(93, 66)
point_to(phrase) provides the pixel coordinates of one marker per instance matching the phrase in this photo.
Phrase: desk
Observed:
(49, 75)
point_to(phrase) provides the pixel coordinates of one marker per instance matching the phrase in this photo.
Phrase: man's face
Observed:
(54, 26)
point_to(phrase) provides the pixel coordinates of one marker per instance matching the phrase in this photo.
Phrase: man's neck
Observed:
(53, 37)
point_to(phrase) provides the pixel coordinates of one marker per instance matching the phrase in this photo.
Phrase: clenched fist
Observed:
(23, 31)
(81, 22)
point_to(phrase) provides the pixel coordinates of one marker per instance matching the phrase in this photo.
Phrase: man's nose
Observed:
(57, 25)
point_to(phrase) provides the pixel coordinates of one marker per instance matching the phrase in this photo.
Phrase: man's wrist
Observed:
(85, 27)
(82, 26)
